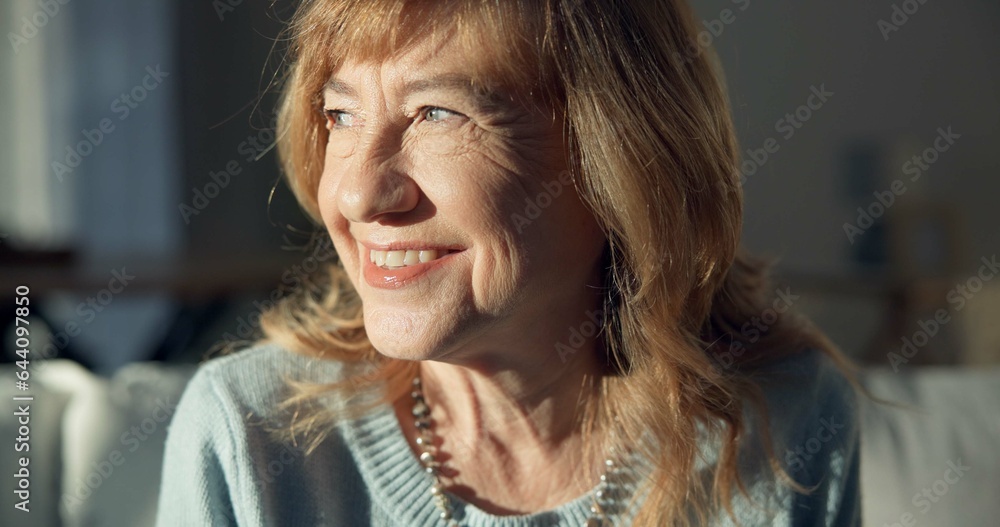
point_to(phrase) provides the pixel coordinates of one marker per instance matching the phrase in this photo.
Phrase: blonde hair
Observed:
(654, 157)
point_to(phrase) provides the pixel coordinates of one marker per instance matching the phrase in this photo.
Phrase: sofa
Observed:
(930, 458)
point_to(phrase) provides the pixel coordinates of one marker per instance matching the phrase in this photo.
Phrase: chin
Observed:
(424, 332)
(398, 336)
(394, 349)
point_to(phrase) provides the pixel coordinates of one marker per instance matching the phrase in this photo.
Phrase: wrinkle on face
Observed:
(470, 173)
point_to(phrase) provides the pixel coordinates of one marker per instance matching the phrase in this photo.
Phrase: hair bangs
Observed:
(503, 36)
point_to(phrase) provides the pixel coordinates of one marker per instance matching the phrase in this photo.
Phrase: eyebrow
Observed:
(483, 95)
(339, 87)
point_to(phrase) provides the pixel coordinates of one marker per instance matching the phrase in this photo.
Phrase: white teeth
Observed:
(396, 259)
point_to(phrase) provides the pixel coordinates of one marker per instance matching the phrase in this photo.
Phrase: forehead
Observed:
(377, 29)
(428, 64)
(492, 44)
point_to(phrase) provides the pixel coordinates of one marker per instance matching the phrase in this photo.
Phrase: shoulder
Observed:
(811, 415)
(257, 379)
(809, 395)
(807, 382)
(813, 423)
(225, 462)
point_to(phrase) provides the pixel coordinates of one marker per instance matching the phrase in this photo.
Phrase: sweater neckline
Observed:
(397, 482)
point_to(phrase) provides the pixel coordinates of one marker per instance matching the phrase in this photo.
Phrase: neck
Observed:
(511, 437)
(506, 408)
(530, 389)
(538, 403)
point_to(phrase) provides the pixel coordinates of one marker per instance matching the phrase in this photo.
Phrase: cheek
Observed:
(475, 183)
(341, 144)
(558, 235)
(475, 196)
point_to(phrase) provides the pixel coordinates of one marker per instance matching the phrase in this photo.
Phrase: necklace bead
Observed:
(422, 422)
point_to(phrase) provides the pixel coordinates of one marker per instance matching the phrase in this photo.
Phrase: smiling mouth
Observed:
(401, 259)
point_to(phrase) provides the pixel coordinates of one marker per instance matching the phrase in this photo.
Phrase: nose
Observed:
(375, 185)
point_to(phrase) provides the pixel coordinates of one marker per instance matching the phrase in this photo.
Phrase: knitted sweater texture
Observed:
(224, 466)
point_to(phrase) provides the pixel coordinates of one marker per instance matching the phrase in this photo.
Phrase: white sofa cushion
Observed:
(937, 463)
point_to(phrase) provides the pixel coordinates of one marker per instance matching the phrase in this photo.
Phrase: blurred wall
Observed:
(940, 68)
(893, 78)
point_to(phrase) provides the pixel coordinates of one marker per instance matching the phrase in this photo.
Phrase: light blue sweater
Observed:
(223, 467)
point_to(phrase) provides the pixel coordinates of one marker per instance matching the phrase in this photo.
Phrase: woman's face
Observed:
(451, 209)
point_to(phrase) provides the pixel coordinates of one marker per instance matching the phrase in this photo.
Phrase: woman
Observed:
(540, 315)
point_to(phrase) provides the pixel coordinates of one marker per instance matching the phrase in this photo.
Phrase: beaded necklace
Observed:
(603, 498)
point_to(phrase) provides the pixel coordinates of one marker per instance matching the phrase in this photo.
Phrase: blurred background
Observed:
(142, 208)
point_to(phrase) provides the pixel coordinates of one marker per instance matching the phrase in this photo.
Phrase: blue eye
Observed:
(435, 114)
(339, 118)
